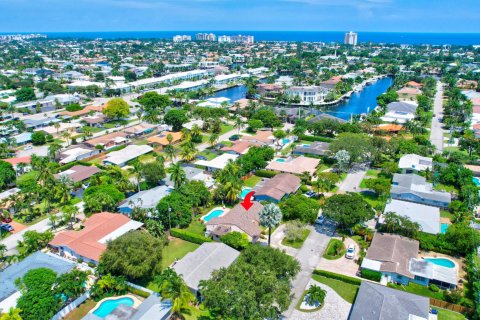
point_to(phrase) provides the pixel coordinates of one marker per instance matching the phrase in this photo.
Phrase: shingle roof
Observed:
(394, 252)
(402, 107)
(199, 264)
(377, 302)
(296, 165)
(79, 173)
(417, 185)
(246, 220)
(279, 186)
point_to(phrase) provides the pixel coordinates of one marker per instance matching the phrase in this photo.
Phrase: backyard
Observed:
(252, 181)
(176, 249)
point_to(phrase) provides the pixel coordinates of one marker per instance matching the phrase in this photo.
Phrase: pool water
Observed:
(213, 214)
(244, 193)
(280, 160)
(476, 181)
(444, 227)
(305, 145)
(286, 140)
(442, 262)
(107, 306)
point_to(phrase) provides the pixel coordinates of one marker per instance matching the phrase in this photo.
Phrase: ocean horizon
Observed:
(304, 36)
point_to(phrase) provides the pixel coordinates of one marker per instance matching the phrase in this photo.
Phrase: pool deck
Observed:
(459, 262)
(136, 301)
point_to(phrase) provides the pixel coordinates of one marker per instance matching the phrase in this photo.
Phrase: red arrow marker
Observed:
(247, 201)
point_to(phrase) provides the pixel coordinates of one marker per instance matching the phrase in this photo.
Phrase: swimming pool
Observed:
(442, 262)
(107, 306)
(213, 214)
(444, 227)
(285, 140)
(244, 193)
(306, 145)
(280, 160)
(476, 181)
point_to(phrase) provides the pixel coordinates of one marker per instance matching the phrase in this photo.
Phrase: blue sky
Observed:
(211, 15)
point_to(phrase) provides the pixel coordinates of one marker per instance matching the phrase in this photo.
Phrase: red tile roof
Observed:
(86, 241)
(15, 161)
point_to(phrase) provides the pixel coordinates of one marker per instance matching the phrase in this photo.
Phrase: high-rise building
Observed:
(205, 37)
(237, 39)
(351, 38)
(181, 38)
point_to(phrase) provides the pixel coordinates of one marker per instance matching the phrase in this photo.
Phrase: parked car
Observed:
(309, 194)
(29, 147)
(6, 227)
(350, 252)
(235, 137)
(6, 219)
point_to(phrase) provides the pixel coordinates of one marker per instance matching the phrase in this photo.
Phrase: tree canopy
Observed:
(7, 174)
(175, 118)
(116, 108)
(347, 209)
(299, 207)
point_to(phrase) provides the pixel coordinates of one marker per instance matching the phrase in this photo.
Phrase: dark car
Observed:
(6, 227)
(235, 137)
(7, 219)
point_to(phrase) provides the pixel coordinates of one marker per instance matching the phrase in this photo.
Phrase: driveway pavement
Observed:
(309, 256)
(436, 131)
(352, 181)
(342, 265)
(276, 241)
(38, 150)
(334, 307)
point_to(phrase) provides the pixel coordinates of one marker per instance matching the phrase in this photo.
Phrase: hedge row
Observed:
(339, 277)
(265, 173)
(315, 138)
(371, 275)
(189, 236)
(138, 292)
(72, 164)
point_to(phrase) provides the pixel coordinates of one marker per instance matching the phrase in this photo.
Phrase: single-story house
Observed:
(122, 157)
(146, 199)
(23, 138)
(89, 243)
(239, 147)
(20, 164)
(400, 112)
(377, 302)
(296, 165)
(109, 140)
(193, 174)
(217, 163)
(139, 129)
(78, 173)
(189, 125)
(427, 217)
(396, 258)
(415, 188)
(63, 126)
(78, 152)
(278, 187)
(9, 292)
(316, 148)
(413, 163)
(261, 137)
(409, 93)
(84, 111)
(161, 139)
(199, 264)
(237, 219)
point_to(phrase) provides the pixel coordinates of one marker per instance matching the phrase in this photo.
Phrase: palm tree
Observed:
(232, 190)
(67, 135)
(315, 295)
(196, 131)
(12, 314)
(177, 174)
(56, 125)
(53, 220)
(186, 134)
(213, 139)
(188, 152)
(238, 124)
(63, 189)
(172, 286)
(53, 150)
(169, 152)
(270, 217)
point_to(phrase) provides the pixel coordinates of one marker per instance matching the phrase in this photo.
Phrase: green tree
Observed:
(175, 210)
(299, 207)
(463, 237)
(116, 108)
(236, 240)
(136, 255)
(39, 138)
(12, 314)
(315, 295)
(175, 118)
(402, 225)
(25, 94)
(154, 104)
(7, 174)
(172, 286)
(254, 125)
(268, 118)
(358, 146)
(153, 172)
(347, 209)
(270, 217)
(177, 174)
(71, 284)
(33, 241)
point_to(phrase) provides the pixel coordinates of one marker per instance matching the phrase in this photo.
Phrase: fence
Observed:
(73, 305)
(450, 306)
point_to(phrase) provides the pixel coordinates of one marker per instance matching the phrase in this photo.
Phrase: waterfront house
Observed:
(90, 242)
(411, 163)
(277, 188)
(316, 148)
(427, 217)
(415, 188)
(201, 263)
(307, 94)
(400, 112)
(237, 219)
(122, 157)
(396, 258)
(377, 302)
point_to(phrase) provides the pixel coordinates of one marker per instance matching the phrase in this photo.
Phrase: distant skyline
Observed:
(440, 16)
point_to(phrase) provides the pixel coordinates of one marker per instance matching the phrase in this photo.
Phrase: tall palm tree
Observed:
(172, 286)
(188, 152)
(169, 152)
(67, 135)
(196, 131)
(63, 189)
(213, 139)
(238, 124)
(177, 174)
(270, 217)
(53, 150)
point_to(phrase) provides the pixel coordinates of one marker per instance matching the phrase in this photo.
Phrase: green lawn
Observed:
(252, 181)
(197, 227)
(446, 214)
(208, 154)
(418, 289)
(92, 129)
(444, 314)
(176, 249)
(442, 187)
(330, 251)
(345, 290)
(373, 173)
(297, 244)
(375, 201)
(193, 313)
(226, 128)
(227, 143)
(81, 311)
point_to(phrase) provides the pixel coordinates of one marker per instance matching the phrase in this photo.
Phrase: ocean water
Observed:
(306, 36)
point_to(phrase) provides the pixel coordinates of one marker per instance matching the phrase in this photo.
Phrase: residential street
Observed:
(309, 256)
(352, 181)
(436, 131)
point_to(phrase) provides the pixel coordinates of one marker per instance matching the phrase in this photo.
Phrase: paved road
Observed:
(352, 181)
(436, 132)
(309, 256)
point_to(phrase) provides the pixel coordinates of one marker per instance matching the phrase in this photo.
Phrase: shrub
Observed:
(453, 296)
(304, 188)
(315, 138)
(265, 173)
(335, 249)
(371, 275)
(236, 240)
(336, 276)
(189, 236)
(138, 292)
(433, 288)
